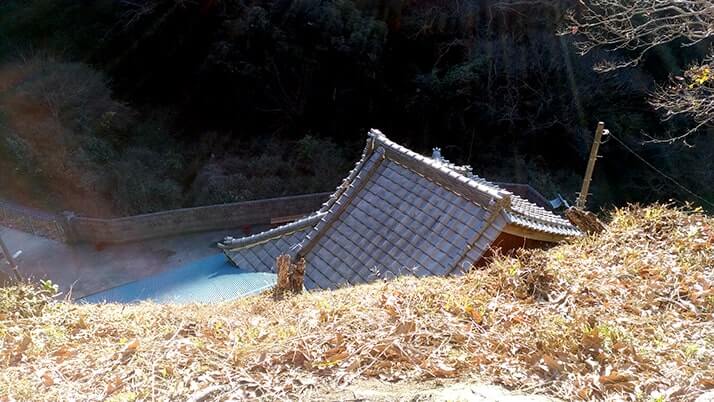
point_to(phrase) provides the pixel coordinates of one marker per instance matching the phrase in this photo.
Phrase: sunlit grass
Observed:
(626, 314)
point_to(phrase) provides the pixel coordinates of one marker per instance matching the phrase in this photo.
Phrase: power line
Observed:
(653, 167)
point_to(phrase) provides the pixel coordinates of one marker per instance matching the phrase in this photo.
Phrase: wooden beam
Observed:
(10, 259)
(6, 254)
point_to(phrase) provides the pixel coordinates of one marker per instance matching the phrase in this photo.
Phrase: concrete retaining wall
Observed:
(72, 228)
(189, 220)
(75, 229)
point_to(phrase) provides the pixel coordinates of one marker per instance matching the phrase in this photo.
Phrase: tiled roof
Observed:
(398, 212)
(520, 211)
(258, 252)
(392, 221)
(527, 214)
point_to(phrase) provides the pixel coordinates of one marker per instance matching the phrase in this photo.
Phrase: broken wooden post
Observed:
(283, 265)
(298, 278)
(586, 221)
(291, 276)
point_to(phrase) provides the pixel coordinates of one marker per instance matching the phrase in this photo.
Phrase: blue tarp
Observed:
(208, 280)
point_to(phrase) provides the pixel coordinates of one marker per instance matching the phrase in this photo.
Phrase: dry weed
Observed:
(627, 314)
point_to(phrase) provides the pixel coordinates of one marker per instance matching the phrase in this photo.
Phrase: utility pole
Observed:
(583, 196)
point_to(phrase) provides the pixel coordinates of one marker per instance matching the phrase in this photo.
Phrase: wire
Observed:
(678, 184)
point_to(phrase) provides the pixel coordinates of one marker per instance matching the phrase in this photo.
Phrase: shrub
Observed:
(64, 131)
(26, 299)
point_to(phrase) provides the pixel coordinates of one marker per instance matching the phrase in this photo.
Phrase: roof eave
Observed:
(533, 234)
(280, 231)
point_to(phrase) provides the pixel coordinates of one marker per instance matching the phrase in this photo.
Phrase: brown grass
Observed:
(624, 315)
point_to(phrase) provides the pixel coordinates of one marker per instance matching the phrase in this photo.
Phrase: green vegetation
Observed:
(67, 143)
(25, 300)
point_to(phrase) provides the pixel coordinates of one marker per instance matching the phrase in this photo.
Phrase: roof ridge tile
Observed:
(244, 242)
(538, 218)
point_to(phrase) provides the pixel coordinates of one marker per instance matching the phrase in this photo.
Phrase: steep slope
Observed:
(626, 314)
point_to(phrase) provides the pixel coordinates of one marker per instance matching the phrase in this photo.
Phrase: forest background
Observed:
(111, 107)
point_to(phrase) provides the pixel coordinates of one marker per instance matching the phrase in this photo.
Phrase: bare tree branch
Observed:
(691, 96)
(638, 26)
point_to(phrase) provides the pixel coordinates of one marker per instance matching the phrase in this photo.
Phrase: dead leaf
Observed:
(64, 353)
(405, 328)
(338, 340)
(707, 382)
(479, 359)
(113, 385)
(130, 348)
(336, 354)
(617, 381)
(47, 378)
(619, 346)
(475, 314)
(441, 369)
(21, 348)
(296, 358)
(584, 393)
(24, 344)
(390, 350)
(338, 358)
(592, 342)
(614, 378)
(551, 363)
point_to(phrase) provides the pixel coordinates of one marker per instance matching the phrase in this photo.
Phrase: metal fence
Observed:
(30, 220)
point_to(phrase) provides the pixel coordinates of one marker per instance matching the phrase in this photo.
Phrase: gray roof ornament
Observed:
(438, 157)
(558, 202)
(436, 154)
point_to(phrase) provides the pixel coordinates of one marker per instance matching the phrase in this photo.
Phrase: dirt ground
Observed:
(434, 390)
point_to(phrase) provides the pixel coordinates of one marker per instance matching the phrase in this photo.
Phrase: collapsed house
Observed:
(399, 212)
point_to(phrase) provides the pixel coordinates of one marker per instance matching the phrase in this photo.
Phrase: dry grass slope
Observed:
(626, 314)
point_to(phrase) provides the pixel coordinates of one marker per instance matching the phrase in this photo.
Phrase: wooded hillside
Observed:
(113, 107)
